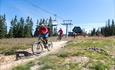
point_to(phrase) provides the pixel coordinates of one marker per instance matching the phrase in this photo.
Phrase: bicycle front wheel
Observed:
(37, 48)
(50, 45)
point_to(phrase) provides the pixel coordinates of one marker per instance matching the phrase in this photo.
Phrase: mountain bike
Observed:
(59, 36)
(38, 47)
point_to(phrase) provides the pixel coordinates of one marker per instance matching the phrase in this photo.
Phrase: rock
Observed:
(20, 54)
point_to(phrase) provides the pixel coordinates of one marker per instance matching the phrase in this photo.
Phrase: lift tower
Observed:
(67, 23)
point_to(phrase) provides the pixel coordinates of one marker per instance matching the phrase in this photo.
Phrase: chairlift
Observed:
(54, 22)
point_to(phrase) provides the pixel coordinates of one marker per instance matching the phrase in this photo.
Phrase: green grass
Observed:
(24, 66)
(97, 60)
(56, 63)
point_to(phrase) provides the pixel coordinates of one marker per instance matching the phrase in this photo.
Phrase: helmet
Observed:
(42, 24)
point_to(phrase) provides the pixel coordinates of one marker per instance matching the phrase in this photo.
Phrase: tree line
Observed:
(21, 28)
(107, 30)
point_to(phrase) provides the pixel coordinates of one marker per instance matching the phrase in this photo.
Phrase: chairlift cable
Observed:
(44, 10)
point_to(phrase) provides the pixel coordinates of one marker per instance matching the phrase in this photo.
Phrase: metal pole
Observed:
(67, 30)
(67, 23)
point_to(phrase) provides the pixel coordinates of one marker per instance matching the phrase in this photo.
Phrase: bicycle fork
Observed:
(45, 43)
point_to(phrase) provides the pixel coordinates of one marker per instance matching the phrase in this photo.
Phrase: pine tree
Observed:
(28, 27)
(113, 27)
(13, 28)
(3, 27)
(31, 27)
(10, 33)
(55, 32)
(93, 32)
(50, 27)
(36, 29)
(22, 23)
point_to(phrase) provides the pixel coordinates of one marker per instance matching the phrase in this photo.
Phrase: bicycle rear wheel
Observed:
(37, 48)
(59, 37)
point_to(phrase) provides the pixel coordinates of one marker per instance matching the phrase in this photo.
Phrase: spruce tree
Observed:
(113, 27)
(93, 32)
(36, 29)
(50, 27)
(28, 27)
(3, 27)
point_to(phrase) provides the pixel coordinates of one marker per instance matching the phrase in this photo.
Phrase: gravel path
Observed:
(56, 47)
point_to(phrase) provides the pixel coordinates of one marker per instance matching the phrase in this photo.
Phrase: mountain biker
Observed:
(60, 33)
(43, 33)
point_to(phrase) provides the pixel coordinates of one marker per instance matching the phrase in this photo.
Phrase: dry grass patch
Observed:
(10, 46)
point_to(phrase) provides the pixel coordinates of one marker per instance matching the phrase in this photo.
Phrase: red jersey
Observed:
(43, 30)
(61, 32)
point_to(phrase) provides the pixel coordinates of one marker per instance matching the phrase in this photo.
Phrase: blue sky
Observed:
(85, 13)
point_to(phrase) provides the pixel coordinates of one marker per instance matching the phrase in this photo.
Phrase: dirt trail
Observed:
(56, 47)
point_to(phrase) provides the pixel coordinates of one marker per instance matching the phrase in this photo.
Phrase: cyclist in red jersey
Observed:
(60, 34)
(43, 33)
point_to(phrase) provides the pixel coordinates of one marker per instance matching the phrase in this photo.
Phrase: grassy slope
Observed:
(97, 60)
